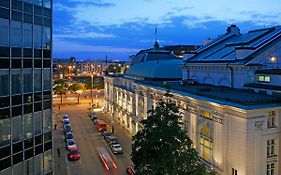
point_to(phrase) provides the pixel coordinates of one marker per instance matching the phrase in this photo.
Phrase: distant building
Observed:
(234, 129)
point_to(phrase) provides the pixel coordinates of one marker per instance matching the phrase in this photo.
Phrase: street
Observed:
(88, 139)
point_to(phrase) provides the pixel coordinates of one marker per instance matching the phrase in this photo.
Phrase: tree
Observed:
(162, 147)
(77, 88)
(60, 89)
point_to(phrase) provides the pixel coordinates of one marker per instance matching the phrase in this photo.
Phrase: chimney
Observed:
(206, 41)
(233, 29)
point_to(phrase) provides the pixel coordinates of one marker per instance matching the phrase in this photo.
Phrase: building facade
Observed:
(25, 87)
(236, 131)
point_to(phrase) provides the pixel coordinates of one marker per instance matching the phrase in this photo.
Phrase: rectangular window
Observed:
(4, 30)
(17, 5)
(16, 82)
(38, 122)
(270, 169)
(4, 82)
(28, 7)
(47, 79)
(37, 36)
(17, 128)
(270, 148)
(28, 170)
(271, 119)
(264, 78)
(47, 3)
(27, 35)
(18, 169)
(234, 171)
(38, 163)
(37, 80)
(38, 2)
(27, 80)
(17, 16)
(5, 3)
(28, 125)
(16, 33)
(5, 134)
(46, 37)
(47, 123)
(47, 161)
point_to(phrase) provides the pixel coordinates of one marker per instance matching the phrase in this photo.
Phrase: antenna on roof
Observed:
(155, 33)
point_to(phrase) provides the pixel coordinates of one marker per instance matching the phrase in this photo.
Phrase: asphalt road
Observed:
(88, 139)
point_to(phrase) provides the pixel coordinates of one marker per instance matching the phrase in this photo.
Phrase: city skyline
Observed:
(96, 29)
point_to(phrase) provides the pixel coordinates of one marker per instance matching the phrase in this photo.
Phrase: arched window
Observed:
(206, 144)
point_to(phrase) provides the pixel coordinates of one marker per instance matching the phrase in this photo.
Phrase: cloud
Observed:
(66, 46)
(80, 35)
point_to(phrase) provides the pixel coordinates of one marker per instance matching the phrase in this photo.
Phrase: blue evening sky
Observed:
(92, 29)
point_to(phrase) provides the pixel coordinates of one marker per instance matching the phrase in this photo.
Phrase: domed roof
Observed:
(157, 69)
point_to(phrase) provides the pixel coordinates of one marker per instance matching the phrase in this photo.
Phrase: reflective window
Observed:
(46, 37)
(27, 80)
(27, 35)
(6, 171)
(4, 3)
(37, 36)
(28, 170)
(16, 82)
(4, 30)
(47, 79)
(15, 33)
(28, 126)
(47, 125)
(17, 5)
(29, 1)
(38, 122)
(18, 169)
(47, 3)
(38, 2)
(4, 82)
(17, 128)
(37, 80)
(47, 161)
(17, 16)
(5, 133)
(38, 163)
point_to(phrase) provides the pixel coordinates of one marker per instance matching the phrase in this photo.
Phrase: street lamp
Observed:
(91, 89)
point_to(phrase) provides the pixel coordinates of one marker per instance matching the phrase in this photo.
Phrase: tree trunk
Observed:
(60, 98)
(78, 97)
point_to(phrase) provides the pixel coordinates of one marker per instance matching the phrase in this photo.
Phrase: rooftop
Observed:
(270, 71)
(223, 95)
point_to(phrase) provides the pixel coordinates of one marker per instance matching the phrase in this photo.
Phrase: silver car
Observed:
(116, 148)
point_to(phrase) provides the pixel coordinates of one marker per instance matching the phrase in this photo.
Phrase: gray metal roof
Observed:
(223, 48)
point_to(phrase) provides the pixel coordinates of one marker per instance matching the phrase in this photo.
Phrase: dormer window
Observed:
(264, 78)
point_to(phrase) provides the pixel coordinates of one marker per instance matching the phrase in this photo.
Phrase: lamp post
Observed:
(91, 89)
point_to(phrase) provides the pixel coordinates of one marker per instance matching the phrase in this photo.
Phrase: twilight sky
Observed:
(92, 29)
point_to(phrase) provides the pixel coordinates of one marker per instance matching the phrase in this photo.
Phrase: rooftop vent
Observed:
(233, 29)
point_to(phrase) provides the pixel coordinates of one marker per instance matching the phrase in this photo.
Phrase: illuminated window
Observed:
(271, 120)
(206, 144)
(234, 171)
(270, 148)
(270, 169)
(264, 78)
(207, 114)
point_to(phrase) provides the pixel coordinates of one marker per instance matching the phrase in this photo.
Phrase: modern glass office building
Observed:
(25, 87)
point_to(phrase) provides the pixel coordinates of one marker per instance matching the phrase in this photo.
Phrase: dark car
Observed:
(67, 128)
(68, 135)
(105, 134)
(111, 139)
(66, 122)
(131, 170)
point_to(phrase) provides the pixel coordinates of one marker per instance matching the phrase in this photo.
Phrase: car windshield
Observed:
(116, 146)
(69, 136)
(74, 152)
(67, 127)
(66, 122)
(71, 142)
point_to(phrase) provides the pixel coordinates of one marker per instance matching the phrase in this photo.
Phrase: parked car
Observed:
(70, 144)
(91, 114)
(101, 125)
(106, 160)
(116, 148)
(111, 140)
(67, 128)
(94, 119)
(68, 136)
(65, 117)
(105, 134)
(131, 170)
(66, 122)
(73, 154)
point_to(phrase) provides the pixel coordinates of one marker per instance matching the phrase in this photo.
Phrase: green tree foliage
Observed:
(77, 88)
(60, 89)
(98, 82)
(162, 147)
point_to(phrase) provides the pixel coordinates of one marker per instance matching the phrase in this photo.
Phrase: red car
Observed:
(131, 171)
(73, 154)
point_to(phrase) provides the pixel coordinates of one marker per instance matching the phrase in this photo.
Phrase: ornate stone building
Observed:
(235, 130)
